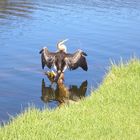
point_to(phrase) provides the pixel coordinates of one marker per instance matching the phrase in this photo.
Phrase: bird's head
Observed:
(61, 46)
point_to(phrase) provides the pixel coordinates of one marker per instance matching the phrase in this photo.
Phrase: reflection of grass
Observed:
(112, 113)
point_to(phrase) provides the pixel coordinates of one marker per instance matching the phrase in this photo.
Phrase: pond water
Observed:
(105, 29)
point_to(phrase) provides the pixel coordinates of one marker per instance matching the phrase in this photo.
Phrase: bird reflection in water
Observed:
(63, 94)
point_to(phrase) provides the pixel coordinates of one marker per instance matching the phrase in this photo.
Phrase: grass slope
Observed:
(112, 112)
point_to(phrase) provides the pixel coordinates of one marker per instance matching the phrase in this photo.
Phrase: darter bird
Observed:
(61, 60)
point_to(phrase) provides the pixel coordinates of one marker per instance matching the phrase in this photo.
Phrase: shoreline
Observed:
(112, 112)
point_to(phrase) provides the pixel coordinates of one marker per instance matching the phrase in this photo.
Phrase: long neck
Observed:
(61, 45)
(62, 48)
(65, 50)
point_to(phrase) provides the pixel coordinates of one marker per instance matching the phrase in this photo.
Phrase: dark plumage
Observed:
(61, 60)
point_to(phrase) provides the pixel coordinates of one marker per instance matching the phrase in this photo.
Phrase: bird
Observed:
(61, 60)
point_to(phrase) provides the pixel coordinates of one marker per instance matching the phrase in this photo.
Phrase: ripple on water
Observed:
(104, 29)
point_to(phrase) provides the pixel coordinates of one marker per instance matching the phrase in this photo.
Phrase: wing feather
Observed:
(76, 60)
(47, 58)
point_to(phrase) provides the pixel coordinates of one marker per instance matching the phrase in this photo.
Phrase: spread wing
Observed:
(47, 58)
(76, 60)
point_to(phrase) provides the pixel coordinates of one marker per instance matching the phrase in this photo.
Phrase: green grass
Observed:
(112, 112)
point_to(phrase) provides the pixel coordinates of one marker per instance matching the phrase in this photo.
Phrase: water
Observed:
(63, 94)
(104, 29)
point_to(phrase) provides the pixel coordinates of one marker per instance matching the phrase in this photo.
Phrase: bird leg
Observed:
(53, 77)
(61, 79)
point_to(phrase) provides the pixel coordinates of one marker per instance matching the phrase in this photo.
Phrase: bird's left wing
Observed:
(76, 60)
(47, 58)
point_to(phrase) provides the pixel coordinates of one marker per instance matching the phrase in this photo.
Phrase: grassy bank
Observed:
(112, 112)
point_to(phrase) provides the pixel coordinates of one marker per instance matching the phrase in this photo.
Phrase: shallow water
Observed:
(105, 30)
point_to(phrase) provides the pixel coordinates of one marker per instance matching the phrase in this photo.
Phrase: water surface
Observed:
(103, 29)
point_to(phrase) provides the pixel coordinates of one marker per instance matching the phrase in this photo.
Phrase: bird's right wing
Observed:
(47, 58)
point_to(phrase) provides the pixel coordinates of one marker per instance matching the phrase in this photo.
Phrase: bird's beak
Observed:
(65, 40)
